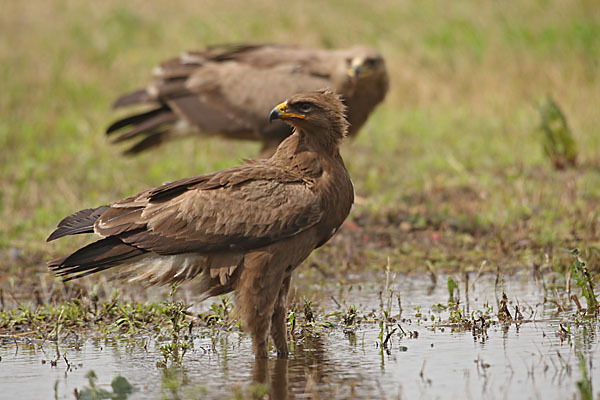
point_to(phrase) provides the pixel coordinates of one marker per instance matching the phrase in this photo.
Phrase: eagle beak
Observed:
(280, 112)
(354, 71)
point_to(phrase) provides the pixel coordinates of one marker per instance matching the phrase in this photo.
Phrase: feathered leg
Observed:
(257, 290)
(278, 321)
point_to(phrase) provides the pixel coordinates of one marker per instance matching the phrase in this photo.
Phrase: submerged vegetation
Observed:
(585, 282)
(121, 389)
(173, 322)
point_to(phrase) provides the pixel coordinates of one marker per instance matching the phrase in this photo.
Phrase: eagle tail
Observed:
(80, 222)
(140, 96)
(133, 120)
(147, 124)
(94, 257)
(154, 138)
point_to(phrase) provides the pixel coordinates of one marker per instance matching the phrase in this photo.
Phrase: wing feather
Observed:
(243, 207)
(226, 90)
(80, 222)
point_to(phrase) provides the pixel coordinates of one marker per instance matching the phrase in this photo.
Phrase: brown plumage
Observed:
(242, 229)
(228, 91)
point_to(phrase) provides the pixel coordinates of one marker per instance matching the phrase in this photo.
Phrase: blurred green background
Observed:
(455, 148)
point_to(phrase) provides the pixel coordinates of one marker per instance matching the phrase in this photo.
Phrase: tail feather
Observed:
(132, 120)
(154, 139)
(80, 222)
(95, 257)
(148, 125)
(138, 97)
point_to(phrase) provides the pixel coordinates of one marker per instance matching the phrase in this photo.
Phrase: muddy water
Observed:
(510, 361)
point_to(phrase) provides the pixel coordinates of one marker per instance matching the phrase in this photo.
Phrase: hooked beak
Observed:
(354, 72)
(280, 112)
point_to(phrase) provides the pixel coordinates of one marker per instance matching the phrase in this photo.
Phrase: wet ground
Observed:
(421, 351)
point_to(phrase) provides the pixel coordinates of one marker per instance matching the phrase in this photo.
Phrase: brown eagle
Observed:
(242, 229)
(228, 90)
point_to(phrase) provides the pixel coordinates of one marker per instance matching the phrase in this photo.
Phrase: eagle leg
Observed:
(257, 290)
(278, 320)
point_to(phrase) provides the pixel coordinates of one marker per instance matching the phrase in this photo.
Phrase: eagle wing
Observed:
(240, 208)
(226, 91)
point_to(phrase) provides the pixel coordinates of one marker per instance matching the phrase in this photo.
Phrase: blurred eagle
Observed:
(242, 229)
(228, 91)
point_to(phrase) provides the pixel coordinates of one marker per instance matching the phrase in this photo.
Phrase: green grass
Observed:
(454, 149)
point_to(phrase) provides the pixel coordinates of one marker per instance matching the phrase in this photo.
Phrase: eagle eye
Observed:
(370, 62)
(305, 107)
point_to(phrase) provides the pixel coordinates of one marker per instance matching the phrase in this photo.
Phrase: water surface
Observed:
(528, 360)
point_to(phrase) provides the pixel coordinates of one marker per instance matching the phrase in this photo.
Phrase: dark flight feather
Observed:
(80, 222)
(133, 120)
(154, 139)
(94, 257)
(149, 124)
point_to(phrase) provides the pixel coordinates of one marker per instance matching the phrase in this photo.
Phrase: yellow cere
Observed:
(284, 114)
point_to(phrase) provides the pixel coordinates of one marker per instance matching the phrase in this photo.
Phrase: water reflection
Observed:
(276, 378)
(306, 371)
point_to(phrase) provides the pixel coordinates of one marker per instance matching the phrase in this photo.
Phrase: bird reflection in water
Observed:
(306, 371)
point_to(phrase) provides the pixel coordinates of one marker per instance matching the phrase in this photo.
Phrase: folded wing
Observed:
(233, 210)
(224, 90)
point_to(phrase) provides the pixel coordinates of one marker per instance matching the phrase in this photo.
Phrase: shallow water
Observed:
(526, 361)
